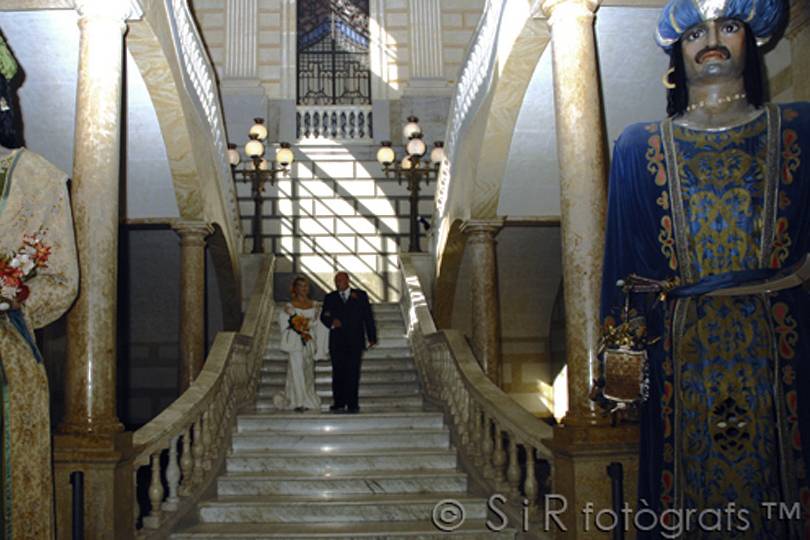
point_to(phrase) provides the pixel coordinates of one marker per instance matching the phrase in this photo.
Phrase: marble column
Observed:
(484, 294)
(799, 34)
(90, 381)
(192, 298)
(585, 443)
(583, 173)
(90, 437)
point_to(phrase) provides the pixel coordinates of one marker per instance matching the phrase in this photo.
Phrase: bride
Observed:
(305, 339)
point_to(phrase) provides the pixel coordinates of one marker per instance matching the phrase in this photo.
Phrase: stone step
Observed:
(390, 364)
(335, 509)
(338, 442)
(366, 389)
(278, 374)
(274, 353)
(385, 330)
(328, 484)
(337, 423)
(345, 462)
(383, 343)
(367, 405)
(412, 530)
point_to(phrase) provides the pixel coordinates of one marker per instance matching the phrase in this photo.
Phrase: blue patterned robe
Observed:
(726, 420)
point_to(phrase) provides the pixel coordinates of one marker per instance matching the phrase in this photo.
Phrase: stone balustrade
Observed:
(500, 441)
(187, 443)
(334, 123)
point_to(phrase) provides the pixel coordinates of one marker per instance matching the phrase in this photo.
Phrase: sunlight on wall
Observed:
(337, 212)
(383, 55)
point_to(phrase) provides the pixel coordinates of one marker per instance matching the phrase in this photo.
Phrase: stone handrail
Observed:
(194, 432)
(488, 426)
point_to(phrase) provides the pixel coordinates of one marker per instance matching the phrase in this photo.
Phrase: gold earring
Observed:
(665, 79)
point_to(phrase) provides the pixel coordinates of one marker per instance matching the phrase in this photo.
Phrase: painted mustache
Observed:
(719, 52)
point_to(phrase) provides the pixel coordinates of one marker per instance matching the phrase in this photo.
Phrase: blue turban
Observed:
(762, 16)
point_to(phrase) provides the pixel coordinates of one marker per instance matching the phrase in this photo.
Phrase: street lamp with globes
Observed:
(413, 168)
(257, 171)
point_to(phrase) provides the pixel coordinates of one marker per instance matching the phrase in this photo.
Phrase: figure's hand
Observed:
(372, 344)
(336, 323)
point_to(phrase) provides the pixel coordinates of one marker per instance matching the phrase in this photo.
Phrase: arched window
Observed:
(333, 52)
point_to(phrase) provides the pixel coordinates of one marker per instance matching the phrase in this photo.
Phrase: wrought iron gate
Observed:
(333, 52)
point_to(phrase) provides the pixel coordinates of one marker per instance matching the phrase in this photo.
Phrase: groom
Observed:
(347, 314)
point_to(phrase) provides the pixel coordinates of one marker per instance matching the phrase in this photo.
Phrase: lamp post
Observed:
(413, 168)
(257, 171)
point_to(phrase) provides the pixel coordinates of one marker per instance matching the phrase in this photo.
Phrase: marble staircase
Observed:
(314, 475)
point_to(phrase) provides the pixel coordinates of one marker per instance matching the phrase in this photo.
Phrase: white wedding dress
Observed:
(299, 389)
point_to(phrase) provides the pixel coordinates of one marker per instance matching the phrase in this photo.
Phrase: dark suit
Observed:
(347, 343)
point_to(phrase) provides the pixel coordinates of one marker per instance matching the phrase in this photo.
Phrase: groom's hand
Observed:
(336, 323)
(372, 344)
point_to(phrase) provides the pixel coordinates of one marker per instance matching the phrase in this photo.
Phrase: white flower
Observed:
(27, 264)
(5, 306)
(15, 262)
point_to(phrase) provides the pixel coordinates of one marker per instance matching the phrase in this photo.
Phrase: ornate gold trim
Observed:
(771, 188)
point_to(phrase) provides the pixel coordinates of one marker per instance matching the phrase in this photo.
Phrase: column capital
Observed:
(489, 227)
(115, 10)
(191, 230)
(560, 8)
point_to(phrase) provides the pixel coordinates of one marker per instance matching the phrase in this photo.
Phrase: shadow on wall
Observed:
(336, 211)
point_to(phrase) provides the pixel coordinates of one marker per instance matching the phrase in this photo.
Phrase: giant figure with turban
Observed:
(38, 282)
(715, 200)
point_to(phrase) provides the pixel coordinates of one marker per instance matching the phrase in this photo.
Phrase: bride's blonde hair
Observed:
(296, 280)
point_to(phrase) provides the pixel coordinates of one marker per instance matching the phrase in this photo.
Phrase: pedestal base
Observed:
(106, 461)
(581, 457)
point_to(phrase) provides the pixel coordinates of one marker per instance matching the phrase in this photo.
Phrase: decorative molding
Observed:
(475, 78)
(289, 67)
(241, 39)
(426, 40)
(199, 79)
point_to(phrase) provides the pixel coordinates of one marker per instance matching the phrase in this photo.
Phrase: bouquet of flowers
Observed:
(300, 325)
(19, 267)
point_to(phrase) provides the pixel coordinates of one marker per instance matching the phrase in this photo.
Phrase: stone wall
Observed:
(458, 21)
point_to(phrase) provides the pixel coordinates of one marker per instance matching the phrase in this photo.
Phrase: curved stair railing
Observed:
(502, 444)
(185, 446)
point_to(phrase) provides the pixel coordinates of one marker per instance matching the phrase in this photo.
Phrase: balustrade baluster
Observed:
(530, 486)
(136, 505)
(352, 122)
(513, 471)
(198, 451)
(333, 120)
(472, 421)
(487, 448)
(499, 459)
(464, 419)
(155, 494)
(207, 437)
(172, 476)
(186, 464)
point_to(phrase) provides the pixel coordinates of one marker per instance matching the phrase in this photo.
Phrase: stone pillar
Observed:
(427, 65)
(90, 437)
(585, 443)
(799, 34)
(484, 293)
(192, 298)
(241, 43)
(583, 194)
